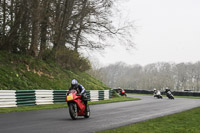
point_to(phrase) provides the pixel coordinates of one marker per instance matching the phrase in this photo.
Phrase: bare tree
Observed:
(35, 27)
(157, 75)
(45, 15)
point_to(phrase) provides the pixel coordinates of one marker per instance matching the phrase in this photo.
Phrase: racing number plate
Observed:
(70, 97)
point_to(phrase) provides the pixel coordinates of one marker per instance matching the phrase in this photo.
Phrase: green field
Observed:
(184, 122)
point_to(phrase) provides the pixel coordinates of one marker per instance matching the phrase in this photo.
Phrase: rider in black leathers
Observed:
(169, 93)
(81, 90)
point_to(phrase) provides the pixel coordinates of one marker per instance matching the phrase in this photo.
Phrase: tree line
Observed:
(182, 76)
(57, 28)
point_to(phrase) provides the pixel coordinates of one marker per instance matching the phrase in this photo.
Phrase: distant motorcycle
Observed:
(158, 95)
(122, 93)
(76, 106)
(169, 95)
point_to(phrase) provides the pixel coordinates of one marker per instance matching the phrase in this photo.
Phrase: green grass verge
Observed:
(184, 122)
(61, 105)
(190, 97)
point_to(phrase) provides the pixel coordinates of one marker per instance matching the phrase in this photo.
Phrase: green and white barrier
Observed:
(44, 97)
(25, 97)
(8, 98)
(94, 95)
(107, 94)
(59, 96)
(14, 98)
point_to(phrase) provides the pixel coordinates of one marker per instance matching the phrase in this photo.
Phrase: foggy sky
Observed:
(166, 31)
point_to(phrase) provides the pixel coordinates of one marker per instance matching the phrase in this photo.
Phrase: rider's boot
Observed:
(86, 105)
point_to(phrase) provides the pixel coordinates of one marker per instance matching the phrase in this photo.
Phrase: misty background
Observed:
(182, 76)
(166, 50)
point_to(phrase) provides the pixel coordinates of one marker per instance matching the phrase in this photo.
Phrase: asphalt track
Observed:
(103, 116)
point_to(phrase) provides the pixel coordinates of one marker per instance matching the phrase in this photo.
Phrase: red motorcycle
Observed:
(76, 105)
(122, 93)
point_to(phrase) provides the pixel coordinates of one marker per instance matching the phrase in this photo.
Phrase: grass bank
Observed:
(62, 105)
(19, 72)
(184, 122)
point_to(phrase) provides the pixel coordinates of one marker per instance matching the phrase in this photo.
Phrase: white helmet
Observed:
(74, 82)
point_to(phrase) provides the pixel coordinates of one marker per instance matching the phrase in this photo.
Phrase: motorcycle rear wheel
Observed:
(73, 111)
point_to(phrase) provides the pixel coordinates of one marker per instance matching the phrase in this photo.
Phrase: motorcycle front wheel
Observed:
(73, 111)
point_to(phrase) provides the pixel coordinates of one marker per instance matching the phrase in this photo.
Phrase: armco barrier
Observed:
(44, 97)
(25, 97)
(14, 98)
(101, 95)
(59, 96)
(8, 98)
(110, 93)
(94, 95)
(107, 94)
(88, 95)
(138, 91)
(184, 93)
(175, 93)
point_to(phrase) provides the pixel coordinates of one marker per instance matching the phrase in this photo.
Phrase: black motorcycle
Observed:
(169, 95)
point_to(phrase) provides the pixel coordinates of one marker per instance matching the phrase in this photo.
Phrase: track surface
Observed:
(103, 117)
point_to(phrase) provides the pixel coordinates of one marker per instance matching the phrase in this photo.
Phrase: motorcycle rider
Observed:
(81, 90)
(169, 93)
(157, 93)
(119, 90)
(154, 91)
(167, 90)
(122, 92)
